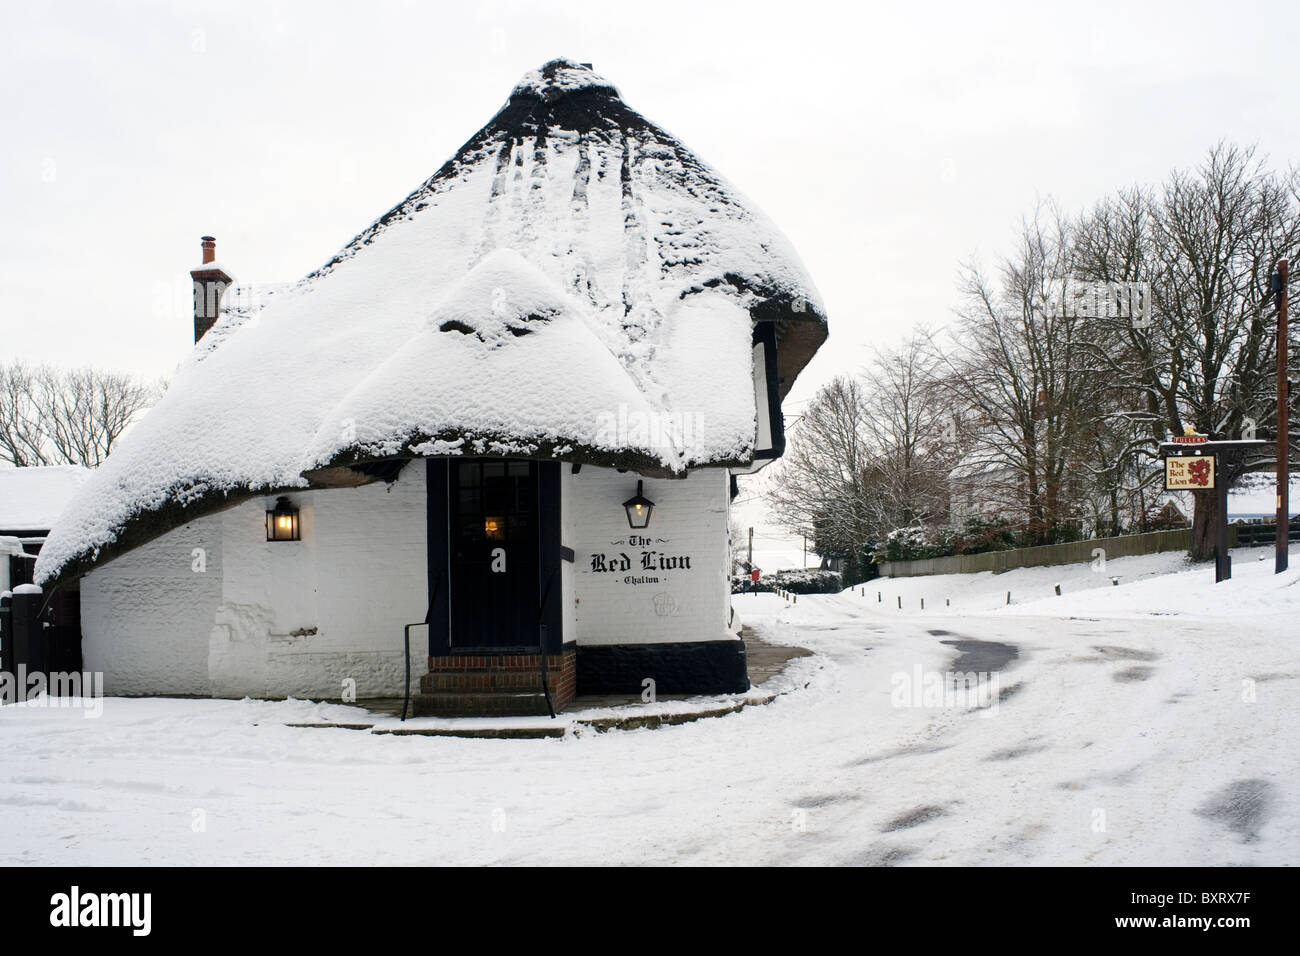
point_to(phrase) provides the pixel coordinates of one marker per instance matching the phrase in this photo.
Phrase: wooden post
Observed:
(1222, 561)
(1283, 428)
(6, 634)
(28, 632)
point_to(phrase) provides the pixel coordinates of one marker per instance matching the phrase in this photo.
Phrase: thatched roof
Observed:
(572, 269)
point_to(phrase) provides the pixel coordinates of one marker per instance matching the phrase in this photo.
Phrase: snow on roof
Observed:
(559, 77)
(239, 304)
(572, 266)
(31, 499)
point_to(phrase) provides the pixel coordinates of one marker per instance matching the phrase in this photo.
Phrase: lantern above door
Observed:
(638, 509)
(282, 522)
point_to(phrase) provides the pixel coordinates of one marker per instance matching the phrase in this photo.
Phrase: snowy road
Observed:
(1119, 738)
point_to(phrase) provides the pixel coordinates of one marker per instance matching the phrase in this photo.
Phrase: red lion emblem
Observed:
(1199, 472)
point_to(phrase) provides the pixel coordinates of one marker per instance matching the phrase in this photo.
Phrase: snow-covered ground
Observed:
(1150, 723)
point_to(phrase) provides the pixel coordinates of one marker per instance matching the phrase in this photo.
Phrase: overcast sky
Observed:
(890, 143)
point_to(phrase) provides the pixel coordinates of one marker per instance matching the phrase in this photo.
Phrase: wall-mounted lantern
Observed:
(638, 509)
(282, 522)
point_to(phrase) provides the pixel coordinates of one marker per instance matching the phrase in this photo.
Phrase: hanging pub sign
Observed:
(1189, 473)
(1191, 459)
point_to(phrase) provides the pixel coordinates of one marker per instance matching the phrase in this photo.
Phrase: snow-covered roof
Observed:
(31, 499)
(573, 266)
(240, 304)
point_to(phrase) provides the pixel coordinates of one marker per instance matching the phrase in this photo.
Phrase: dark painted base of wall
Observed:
(696, 667)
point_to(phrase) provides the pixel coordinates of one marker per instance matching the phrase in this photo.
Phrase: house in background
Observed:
(510, 411)
(31, 500)
(982, 488)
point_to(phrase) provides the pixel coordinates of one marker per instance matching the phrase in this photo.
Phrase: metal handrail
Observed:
(406, 645)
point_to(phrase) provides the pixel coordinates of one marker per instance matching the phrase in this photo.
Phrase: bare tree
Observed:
(1207, 241)
(22, 440)
(1022, 375)
(911, 432)
(52, 416)
(870, 454)
(822, 489)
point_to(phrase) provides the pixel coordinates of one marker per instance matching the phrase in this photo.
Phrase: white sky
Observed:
(889, 143)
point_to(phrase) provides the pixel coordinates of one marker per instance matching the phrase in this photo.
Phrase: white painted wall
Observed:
(269, 619)
(305, 618)
(281, 619)
(146, 615)
(689, 520)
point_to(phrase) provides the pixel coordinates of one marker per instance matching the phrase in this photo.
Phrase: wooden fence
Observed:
(1070, 553)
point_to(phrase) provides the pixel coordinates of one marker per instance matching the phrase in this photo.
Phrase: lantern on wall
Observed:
(638, 509)
(282, 522)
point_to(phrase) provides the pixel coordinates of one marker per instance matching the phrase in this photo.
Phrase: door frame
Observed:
(549, 574)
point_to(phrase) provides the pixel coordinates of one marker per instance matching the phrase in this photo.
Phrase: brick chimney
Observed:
(210, 283)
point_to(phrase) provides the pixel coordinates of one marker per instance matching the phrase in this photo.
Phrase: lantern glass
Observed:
(282, 522)
(638, 509)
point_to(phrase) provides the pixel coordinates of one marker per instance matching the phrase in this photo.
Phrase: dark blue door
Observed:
(494, 552)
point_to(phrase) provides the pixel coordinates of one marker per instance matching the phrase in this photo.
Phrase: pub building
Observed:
(493, 440)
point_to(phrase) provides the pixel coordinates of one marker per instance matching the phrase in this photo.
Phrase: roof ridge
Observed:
(559, 78)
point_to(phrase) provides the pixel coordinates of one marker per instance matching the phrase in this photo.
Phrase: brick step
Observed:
(470, 704)
(481, 679)
(492, 662)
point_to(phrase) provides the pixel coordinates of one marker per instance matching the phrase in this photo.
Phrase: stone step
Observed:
(478, 704)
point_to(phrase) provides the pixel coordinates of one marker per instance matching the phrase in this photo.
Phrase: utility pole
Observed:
(750, 560)
(1283, 423)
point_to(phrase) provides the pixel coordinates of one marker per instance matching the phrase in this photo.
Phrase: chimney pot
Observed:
(210, 283)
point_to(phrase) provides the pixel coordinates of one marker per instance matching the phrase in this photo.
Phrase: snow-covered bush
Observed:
(797, 581)
(975, 535)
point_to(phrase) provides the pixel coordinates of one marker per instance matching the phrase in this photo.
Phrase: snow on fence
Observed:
(1070, 553)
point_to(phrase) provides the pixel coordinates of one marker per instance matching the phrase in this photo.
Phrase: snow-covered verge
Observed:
(1123, 735)
(1152, 584)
